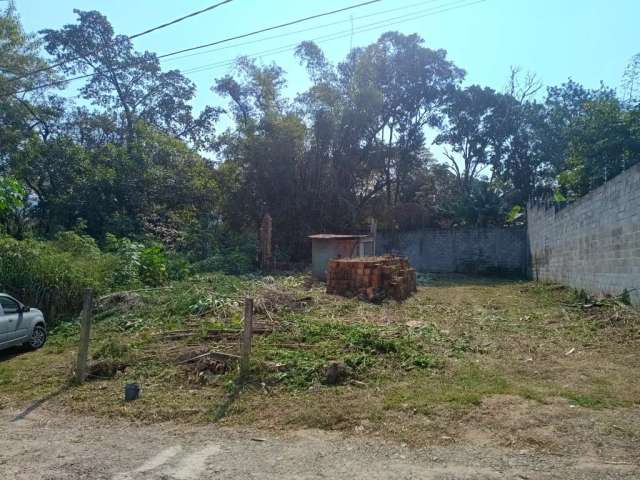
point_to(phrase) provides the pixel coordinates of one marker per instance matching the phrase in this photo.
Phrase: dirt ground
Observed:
(42, 445)
(469, 378)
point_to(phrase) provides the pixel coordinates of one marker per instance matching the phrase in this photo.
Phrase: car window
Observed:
(8, 305)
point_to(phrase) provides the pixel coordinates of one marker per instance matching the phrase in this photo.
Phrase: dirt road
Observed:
(44, 445)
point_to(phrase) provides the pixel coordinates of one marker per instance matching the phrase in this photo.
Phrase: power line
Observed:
(178, 20)
(228, 39)
(334, 36)
(256, 32)
(447, 6)
(130, 37)
(304, 30)
(345, 33)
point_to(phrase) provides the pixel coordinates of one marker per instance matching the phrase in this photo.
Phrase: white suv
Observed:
(20, 325)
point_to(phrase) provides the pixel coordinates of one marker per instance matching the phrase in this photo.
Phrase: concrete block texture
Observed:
(493, 250)
(592, 243)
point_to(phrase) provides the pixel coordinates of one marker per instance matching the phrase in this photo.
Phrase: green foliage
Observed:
(178, 267)
(354, 145)
(230, 262)
(515, 214)
(360, 346)
(111, 348)
(53, 275)
(11, 194)
(605, 140)
(64, 335)
(370, 340)
(81, 245)
(128, 264)
(558, 197)
(153, 266)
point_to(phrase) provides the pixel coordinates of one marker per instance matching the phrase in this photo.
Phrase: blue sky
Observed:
(587, 40)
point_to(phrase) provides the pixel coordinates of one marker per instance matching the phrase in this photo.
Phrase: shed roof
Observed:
(332, 236)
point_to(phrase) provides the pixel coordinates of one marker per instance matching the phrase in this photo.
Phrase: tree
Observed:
(605, 140)
(11, 194)
(631, 82)
(128, 85)
(520, 166)
(407, 87)
(264, 168)
(21, 113)
(476, 131)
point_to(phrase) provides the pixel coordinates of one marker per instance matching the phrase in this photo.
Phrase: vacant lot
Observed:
(465, 361)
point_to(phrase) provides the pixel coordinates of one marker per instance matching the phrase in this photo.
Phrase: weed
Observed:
(370, 340)
(6, 375)
(585, 400)
(111, 349)
(64, 335)
(468, 340)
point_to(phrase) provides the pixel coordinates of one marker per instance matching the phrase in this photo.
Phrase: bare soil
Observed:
(468, 378)
(43, 445)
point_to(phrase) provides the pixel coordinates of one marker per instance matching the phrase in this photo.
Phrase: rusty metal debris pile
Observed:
(371, 278)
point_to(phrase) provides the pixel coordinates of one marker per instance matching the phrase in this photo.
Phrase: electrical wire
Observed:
(178, 20)
(342, 34)
(130, 37)
(334, 36)
(228, 39)
(256, 32)
(304, 30)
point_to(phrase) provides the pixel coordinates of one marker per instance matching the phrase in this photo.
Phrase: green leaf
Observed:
(516, 213)
(558, 197)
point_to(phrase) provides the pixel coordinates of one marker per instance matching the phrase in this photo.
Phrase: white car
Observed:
(20, 325)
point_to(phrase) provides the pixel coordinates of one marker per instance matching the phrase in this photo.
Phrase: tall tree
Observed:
(631, 82)
(475, 132)
(21, 112)
(409, 85)
(128, 85)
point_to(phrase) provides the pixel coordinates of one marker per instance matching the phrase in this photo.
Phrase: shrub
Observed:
(72, 242)
(127, 268)
(232, 262)
(153, 266)
(52, 275)
(178, 268)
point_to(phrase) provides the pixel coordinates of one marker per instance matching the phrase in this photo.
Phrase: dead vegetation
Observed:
(465, 359)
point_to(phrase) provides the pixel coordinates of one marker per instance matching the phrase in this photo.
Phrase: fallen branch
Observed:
(220, 355)
(123, 292)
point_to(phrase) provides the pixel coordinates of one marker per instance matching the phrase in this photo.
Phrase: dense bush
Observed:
(153, 265)
(232, 262)
(53, 275)
(178, 267)
(127, 267)
(228, 252)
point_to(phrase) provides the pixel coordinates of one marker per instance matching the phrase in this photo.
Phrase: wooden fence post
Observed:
(245, 346)
(85, 332)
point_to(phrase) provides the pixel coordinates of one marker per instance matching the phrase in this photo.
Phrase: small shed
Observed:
(327, 246)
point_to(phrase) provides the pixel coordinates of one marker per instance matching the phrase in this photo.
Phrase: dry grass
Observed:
(511, 363)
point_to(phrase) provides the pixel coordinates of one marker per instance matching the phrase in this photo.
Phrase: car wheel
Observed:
(38, 337)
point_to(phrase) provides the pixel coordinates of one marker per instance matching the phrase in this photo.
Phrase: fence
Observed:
(488, 250)
(592, 243)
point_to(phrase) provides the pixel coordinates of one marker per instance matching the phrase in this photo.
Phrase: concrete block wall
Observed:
(492, 250)
(593, 243)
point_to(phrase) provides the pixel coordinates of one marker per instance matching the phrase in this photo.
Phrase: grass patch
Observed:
(455, 344)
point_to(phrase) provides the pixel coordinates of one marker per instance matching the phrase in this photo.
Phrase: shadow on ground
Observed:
(465, 280)
(12, 352)
(40, 402)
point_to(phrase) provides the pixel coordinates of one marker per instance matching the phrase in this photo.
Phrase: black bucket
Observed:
(131, 392)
